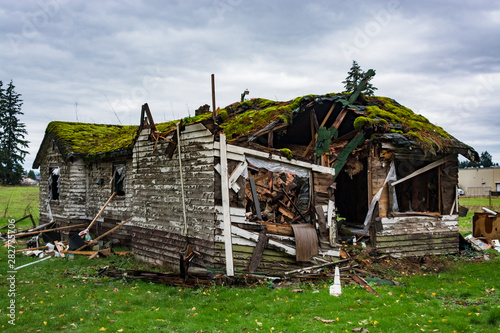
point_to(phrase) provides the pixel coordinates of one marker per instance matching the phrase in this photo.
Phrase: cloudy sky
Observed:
(99, 61)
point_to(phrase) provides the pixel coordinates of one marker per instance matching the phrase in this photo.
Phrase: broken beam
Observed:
(48, 230)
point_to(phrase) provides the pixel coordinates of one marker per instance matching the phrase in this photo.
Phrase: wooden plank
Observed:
(237, 173)
(255, 198)
(255, 237)
(48, 230)
(242, 151)
(101, 210)
(425, 169)
(323, 231)
(277, 228)
(415, 236)
(225, 207)
(363, 283)
(258, 252)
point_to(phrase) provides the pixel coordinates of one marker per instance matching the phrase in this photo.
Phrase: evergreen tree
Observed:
(12, 136)
(31, 174)
(486, 159)
(353, 79)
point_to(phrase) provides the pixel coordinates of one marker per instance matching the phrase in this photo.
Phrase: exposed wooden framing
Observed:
(226, 207)
(340, 118)
(145, 107)
(313, 142)
(236, 174)
(231, 149)
(270, 139)
(232, 184)
(425, 169)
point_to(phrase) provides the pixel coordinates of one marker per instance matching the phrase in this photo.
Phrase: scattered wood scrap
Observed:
(192, 280)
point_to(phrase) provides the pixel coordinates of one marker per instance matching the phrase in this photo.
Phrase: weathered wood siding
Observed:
(158, 232)
(72, 188)
(418, 235)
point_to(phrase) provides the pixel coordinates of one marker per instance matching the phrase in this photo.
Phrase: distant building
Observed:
(479, 181)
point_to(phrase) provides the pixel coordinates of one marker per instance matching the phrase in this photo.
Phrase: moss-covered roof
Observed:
(382, 116)
(91, 139)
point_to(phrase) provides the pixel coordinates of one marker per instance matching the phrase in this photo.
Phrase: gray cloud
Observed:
(87, 60)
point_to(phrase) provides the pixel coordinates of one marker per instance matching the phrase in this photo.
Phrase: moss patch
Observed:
(247, 122)
(89, 139)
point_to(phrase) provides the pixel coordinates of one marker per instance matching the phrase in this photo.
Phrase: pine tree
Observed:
(12, 136)
(353, 79)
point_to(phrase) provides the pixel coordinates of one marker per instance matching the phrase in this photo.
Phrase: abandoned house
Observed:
(260, 186)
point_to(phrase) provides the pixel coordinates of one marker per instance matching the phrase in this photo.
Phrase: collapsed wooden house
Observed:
(262, 186)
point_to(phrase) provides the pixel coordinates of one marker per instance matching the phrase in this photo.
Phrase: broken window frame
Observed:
(401, 202)
(54, 183)
(118, 180)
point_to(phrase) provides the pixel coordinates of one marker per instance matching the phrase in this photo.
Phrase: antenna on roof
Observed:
(113, 109)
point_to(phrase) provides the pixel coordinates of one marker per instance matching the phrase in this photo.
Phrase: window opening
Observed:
(54, 182)
(119, 179)
(420, 193)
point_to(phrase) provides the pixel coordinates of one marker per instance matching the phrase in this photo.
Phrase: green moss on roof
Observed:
(90, 139)
(170, 125)
(404, 121)
(247, 122)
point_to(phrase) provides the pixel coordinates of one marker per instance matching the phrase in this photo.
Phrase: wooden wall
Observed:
(72, 188)
(158, 232)
(418, 235)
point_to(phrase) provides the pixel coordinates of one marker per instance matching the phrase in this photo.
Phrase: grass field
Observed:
(64, 295)
(17, 202)
(58, 294)
(475, 205)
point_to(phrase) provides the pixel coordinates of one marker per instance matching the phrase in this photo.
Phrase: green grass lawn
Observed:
(64, 295)
(475, 205)
(17, 202)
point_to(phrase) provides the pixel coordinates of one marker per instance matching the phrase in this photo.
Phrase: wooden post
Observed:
(228, 243)
(214, 112)
(182, 178)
